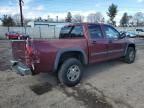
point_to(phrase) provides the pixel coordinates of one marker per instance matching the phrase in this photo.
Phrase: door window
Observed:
(95, 31)
(111, 32)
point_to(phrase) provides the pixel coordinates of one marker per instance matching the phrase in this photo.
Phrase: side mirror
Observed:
(122, 35)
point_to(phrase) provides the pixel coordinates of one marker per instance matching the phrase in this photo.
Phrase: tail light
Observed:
(31, 54)
(28, 47)
(28, 52)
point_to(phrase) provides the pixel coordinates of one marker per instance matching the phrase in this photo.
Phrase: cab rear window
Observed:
(71, 32)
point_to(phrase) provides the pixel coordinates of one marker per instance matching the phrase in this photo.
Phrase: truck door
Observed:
(116, 46)
(97, 44)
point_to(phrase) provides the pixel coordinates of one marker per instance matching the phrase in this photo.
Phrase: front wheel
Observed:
(70, 72)
(130, 55)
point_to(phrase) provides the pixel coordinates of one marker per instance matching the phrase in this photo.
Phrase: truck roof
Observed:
(85, 23)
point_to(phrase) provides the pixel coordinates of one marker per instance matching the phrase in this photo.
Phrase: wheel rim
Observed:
(73, 73)
(131, 55)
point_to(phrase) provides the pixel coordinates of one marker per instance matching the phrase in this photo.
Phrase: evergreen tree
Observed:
(69, 17)
(8, 21)
(112, 12)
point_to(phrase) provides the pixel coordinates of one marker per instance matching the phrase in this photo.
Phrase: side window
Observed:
(111, 32)
(77, 31)
(64, 33)
(71, 31)
(95, 31)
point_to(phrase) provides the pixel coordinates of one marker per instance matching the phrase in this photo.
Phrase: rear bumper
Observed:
(20, 68)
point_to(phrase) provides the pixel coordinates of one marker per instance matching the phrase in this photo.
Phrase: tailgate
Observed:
(19, 50)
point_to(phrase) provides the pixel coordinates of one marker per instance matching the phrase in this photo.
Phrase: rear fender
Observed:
(61, 51)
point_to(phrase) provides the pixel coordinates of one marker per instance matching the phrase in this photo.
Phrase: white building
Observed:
(45, 23)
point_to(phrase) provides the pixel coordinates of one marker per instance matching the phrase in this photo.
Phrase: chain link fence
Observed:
(33, 32)
(47, 31)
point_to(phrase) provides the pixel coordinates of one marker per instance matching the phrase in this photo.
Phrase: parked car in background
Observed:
(24, 36)
(12, 35)
(129, 34)
(78, 45)
(140, 32)
(16, 35)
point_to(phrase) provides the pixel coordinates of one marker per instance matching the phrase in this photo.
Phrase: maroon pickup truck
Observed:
(77, 46)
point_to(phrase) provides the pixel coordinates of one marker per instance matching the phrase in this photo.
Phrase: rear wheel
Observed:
(70, 72)
(130, 55)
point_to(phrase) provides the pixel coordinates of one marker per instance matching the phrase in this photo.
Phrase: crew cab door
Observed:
(116, 45)
(97, 44)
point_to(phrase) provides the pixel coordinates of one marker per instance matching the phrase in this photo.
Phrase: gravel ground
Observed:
(111, 84)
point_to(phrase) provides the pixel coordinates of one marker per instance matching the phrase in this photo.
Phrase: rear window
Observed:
(71, 32)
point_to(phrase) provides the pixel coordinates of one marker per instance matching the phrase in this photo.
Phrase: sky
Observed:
(53, 8)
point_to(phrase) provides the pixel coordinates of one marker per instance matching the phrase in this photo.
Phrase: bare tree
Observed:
(78, 18)
(39, 19)
(124, 20)
(139, 19)
(130, 22)
(91, 18)
(16, 19)
(26, 21)
(95, 18)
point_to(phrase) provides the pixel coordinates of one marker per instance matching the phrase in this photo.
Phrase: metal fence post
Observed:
(54, 32)
(48, 30)
(40, 31)
(8, 28)
(25, 29)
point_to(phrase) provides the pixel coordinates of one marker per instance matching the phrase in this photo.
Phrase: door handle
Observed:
(94, 42)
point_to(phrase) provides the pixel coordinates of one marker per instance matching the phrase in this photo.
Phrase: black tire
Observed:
(65, 70)
(128, 59)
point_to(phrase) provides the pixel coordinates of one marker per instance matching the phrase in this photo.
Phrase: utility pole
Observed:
(21, 13)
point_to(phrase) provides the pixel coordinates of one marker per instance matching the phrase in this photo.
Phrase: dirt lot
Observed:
(111, 84)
